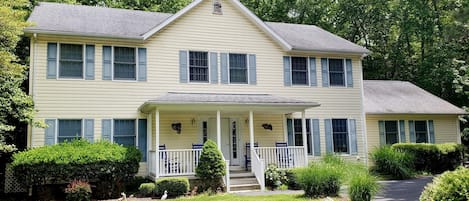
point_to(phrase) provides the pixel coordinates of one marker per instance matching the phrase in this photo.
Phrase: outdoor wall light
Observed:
(177, 127)
(267, 126)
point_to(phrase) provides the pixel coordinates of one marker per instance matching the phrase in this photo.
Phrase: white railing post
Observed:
(227, 176)
(258, 167)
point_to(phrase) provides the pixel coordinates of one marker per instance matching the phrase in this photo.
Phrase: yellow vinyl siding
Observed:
(445, 127)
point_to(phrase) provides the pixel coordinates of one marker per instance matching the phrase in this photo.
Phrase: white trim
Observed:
(285, 129)
(189, 67)
(229, 68)
(83, 53)
(308, 82)
(344, 63)
(56, 131)
(458, 131)
(112, 63)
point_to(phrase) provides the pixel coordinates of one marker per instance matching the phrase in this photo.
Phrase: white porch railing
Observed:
(258, 168)
(226, 178)
(283, 157)
(177, 162)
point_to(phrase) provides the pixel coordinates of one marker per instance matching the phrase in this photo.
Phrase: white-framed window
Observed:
(337, 72)
(238, 66)
(71, 61)
(298, 134)
(391, 132)
(125, 132)
(340, 136)
(69, 129)
(299, 71)
(125, 63)
(198, 66)
(421, 131)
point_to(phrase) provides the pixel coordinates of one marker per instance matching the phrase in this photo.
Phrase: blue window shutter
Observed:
(316, 137)
(313, 81)
(328, 132)
(89, 130)
(252, 69)
(382, 136)
(183, 66)
(106, 129)
(89, 65)
(348, 66)
(51, 60)
(431, 131)
(286, 71)
(50, 132)
(107, 63)
(224, 68)
(214, 67)
(290, 132)
(402, 130)
(142, 138)
(325, 72)
(353, 136)
(142, 64)
(411, 131)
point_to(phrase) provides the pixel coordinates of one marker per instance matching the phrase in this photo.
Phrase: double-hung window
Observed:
(71, 61)
(391, 132)
(125, 132)
(421, 132)
(336, 72)
(238, 69)
(298, 134)
(125, 63)
(340, 135)
(198, 66)
(69, 129)
(299, 71)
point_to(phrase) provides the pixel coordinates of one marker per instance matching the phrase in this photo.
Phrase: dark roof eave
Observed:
(416, 113)
(361, 53)
(79, 34)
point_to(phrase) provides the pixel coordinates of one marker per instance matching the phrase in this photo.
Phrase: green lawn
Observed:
(232, 197)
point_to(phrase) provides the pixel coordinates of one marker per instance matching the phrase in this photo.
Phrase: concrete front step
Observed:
(245, 187)
(243, 181)
(241, 175)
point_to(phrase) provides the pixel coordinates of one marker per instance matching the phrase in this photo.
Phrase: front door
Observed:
(229, 138)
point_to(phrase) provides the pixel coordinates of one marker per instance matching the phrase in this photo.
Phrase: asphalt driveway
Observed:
(408, 190)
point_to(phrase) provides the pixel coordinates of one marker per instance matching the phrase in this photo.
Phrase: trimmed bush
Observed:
(393, 163)
(174, 186)
(147, 189)
(451, 185)
(103, 162)
(362, 187)
(211, 167)
(319, 180)
(78, 191)
(434, 158)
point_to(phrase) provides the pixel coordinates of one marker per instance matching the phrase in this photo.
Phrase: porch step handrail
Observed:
(226, 178)
(258, 168)
(282, 157)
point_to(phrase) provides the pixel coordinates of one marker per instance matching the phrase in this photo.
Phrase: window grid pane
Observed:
(71, 61)
(340, 135)
(421, 134)
(336, 72)
(124, 63)
(69, 129)
(298, 132)
(299, 70)
(198, 66)
(238, 68)
(124, 132)
(391, 132)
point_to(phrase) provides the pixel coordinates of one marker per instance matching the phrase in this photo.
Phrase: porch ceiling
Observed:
(182, 101)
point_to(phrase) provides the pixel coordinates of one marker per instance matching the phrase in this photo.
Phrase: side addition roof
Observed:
(401, 97)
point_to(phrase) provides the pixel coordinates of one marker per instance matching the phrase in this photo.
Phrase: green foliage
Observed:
(319, 180)
(103, 162)
(132, 185)
(451, 185)
(275, 177)
(147, 189)
(211, 167)
(434, 158)
(362, 187)
(78, 190)
(292, 181)
(393, 163)
(174, 186)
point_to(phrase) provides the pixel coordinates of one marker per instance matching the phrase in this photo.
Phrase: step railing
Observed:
(258, 168)
(226, 178)
(282, 157)
(177, 162)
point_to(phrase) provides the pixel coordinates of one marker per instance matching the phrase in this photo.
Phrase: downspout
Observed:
(32, 78)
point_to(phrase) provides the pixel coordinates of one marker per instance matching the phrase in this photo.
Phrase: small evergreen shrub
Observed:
(319, 180)
(275, 177)
(147, 189)
(393, 163)
(211, 167)
(451, 185)
(78, 190)
(174, 186)
(292, 181)
(362, 187)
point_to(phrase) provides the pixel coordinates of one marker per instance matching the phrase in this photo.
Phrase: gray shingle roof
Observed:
(400, 97)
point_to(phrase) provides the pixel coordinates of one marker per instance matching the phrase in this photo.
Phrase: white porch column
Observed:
(251, 131)
(303, 132)
(157, 142)
(218, 130)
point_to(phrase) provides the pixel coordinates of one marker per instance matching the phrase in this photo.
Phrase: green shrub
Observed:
(390, 162)
(147, 189)
(362, 187)
(451, 185)
(292, 181)
(78, 191)
(211, 167)
(319, 180)
(132, 185)
(174, 186)
(434, 158)
(105, 163)
(275, 177)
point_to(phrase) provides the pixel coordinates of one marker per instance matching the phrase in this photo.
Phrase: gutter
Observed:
(80, 34)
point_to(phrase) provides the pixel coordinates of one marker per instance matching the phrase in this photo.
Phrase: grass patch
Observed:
(233, 197)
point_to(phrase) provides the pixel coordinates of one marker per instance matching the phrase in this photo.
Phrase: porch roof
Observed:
(183, 101)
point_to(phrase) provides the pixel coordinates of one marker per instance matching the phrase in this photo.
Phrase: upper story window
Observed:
(71, 61)
(125, 132)
(336, 72)
(198, 66)
(391, 132)
(238, 69)
(340, 135)
(421, 132)
(299, 71)
(69, 129)
(125, 66)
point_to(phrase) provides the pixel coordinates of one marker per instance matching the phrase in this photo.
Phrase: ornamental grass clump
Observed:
(319, 180)
(392, 163)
